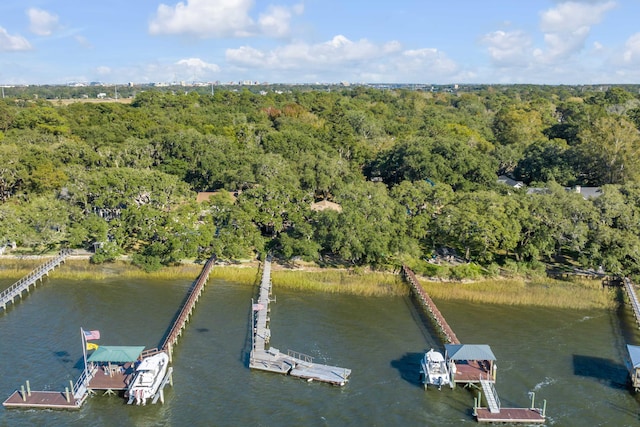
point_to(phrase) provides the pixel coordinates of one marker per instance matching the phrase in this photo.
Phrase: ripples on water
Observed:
(574, 359)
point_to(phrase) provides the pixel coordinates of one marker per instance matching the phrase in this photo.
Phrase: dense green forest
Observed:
(415, 174)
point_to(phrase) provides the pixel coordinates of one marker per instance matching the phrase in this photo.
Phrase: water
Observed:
(574, 359)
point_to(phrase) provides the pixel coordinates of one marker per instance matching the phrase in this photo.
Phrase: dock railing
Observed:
(300, 356)
(633, 298)
(25, 282)
(187, 308)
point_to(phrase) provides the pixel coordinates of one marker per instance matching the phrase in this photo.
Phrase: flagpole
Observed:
(84, 354)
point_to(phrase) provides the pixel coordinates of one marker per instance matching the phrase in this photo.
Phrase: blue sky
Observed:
(307, 41)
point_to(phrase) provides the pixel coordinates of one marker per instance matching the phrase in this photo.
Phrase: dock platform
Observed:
(270, 359)
(510, 416)
(41, 400)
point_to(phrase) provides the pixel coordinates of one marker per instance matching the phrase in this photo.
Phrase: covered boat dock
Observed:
(470, 363)
(634, 366)
(112, 367)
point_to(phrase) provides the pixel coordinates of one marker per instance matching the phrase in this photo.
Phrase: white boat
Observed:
(149, 375)
(433, 369)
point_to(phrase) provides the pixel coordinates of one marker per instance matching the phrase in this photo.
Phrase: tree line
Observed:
(413, 172)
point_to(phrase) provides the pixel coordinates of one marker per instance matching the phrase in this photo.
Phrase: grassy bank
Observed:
(578, 294)
(544, 292)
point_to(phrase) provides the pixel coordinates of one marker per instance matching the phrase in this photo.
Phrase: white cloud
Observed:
(42, 22)
(12, 43)
(103, 70)
(344, 59)
(508, 48)
(222, 18)
(567, 26)
(276, 22)
(631, 53)
(197, 67)
(338, 50)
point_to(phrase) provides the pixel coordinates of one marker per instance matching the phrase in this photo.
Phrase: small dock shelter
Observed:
(112, 367)
(470, 363)
(634, 368)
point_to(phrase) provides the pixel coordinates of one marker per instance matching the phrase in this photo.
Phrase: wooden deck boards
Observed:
(41, 400)
(470, 372)
(270, 359)
(510, 415)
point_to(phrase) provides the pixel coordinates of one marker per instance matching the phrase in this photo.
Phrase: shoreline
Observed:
(519, 291)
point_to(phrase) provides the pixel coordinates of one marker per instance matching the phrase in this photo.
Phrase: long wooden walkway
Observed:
(15, 291)
(633, 299)
(180, 321)
(430, 306)
(266, 358)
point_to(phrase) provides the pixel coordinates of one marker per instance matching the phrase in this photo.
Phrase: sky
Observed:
(325, 41)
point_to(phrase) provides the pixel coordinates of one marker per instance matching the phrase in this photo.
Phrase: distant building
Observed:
(504, 179)
(325, 204)
(586, 192)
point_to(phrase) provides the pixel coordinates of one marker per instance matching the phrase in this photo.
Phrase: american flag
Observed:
(91, 335)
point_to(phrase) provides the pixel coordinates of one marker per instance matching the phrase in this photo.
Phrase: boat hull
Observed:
(149, 375)
(433, 370)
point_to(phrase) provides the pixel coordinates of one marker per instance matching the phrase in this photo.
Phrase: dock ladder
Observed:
(491, 395)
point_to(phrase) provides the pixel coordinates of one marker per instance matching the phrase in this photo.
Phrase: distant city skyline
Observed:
(328, 41)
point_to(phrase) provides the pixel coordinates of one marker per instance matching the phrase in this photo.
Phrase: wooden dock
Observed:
(430, 306)
(633, 299)
(183, 316)
(93, 380)
(510, 416)
(15, 291)
(266, 358)
(493, 413)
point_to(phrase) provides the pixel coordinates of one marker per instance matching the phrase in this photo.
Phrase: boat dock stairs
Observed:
(15, 291)
(266, 358)
(473, 370)
(76, 394)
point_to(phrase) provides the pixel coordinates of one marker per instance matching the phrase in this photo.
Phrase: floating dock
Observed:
(15, 291)
(266, 358)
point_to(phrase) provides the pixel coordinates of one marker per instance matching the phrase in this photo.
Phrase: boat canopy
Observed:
(634, 355)
(469, 352)
(116, 354)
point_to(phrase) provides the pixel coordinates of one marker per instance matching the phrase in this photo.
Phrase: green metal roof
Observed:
(116, 354)
(469, 352)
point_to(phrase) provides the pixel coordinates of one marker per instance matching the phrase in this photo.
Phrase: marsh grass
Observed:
(341, 281)
(576, 294)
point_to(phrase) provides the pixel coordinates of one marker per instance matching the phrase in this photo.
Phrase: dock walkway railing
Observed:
(187, 308)
(430, 306)
(15, 290)
(633, 298)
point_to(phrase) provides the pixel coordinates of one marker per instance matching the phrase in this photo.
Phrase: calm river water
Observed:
(573, 359)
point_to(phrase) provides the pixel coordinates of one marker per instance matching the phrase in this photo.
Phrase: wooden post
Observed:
(533, 399)
(544, 407)
(162, 395)
(24, 395)
(28, 388)
(475, 406)
(479, 399)
(71, 388)
(66, 394)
